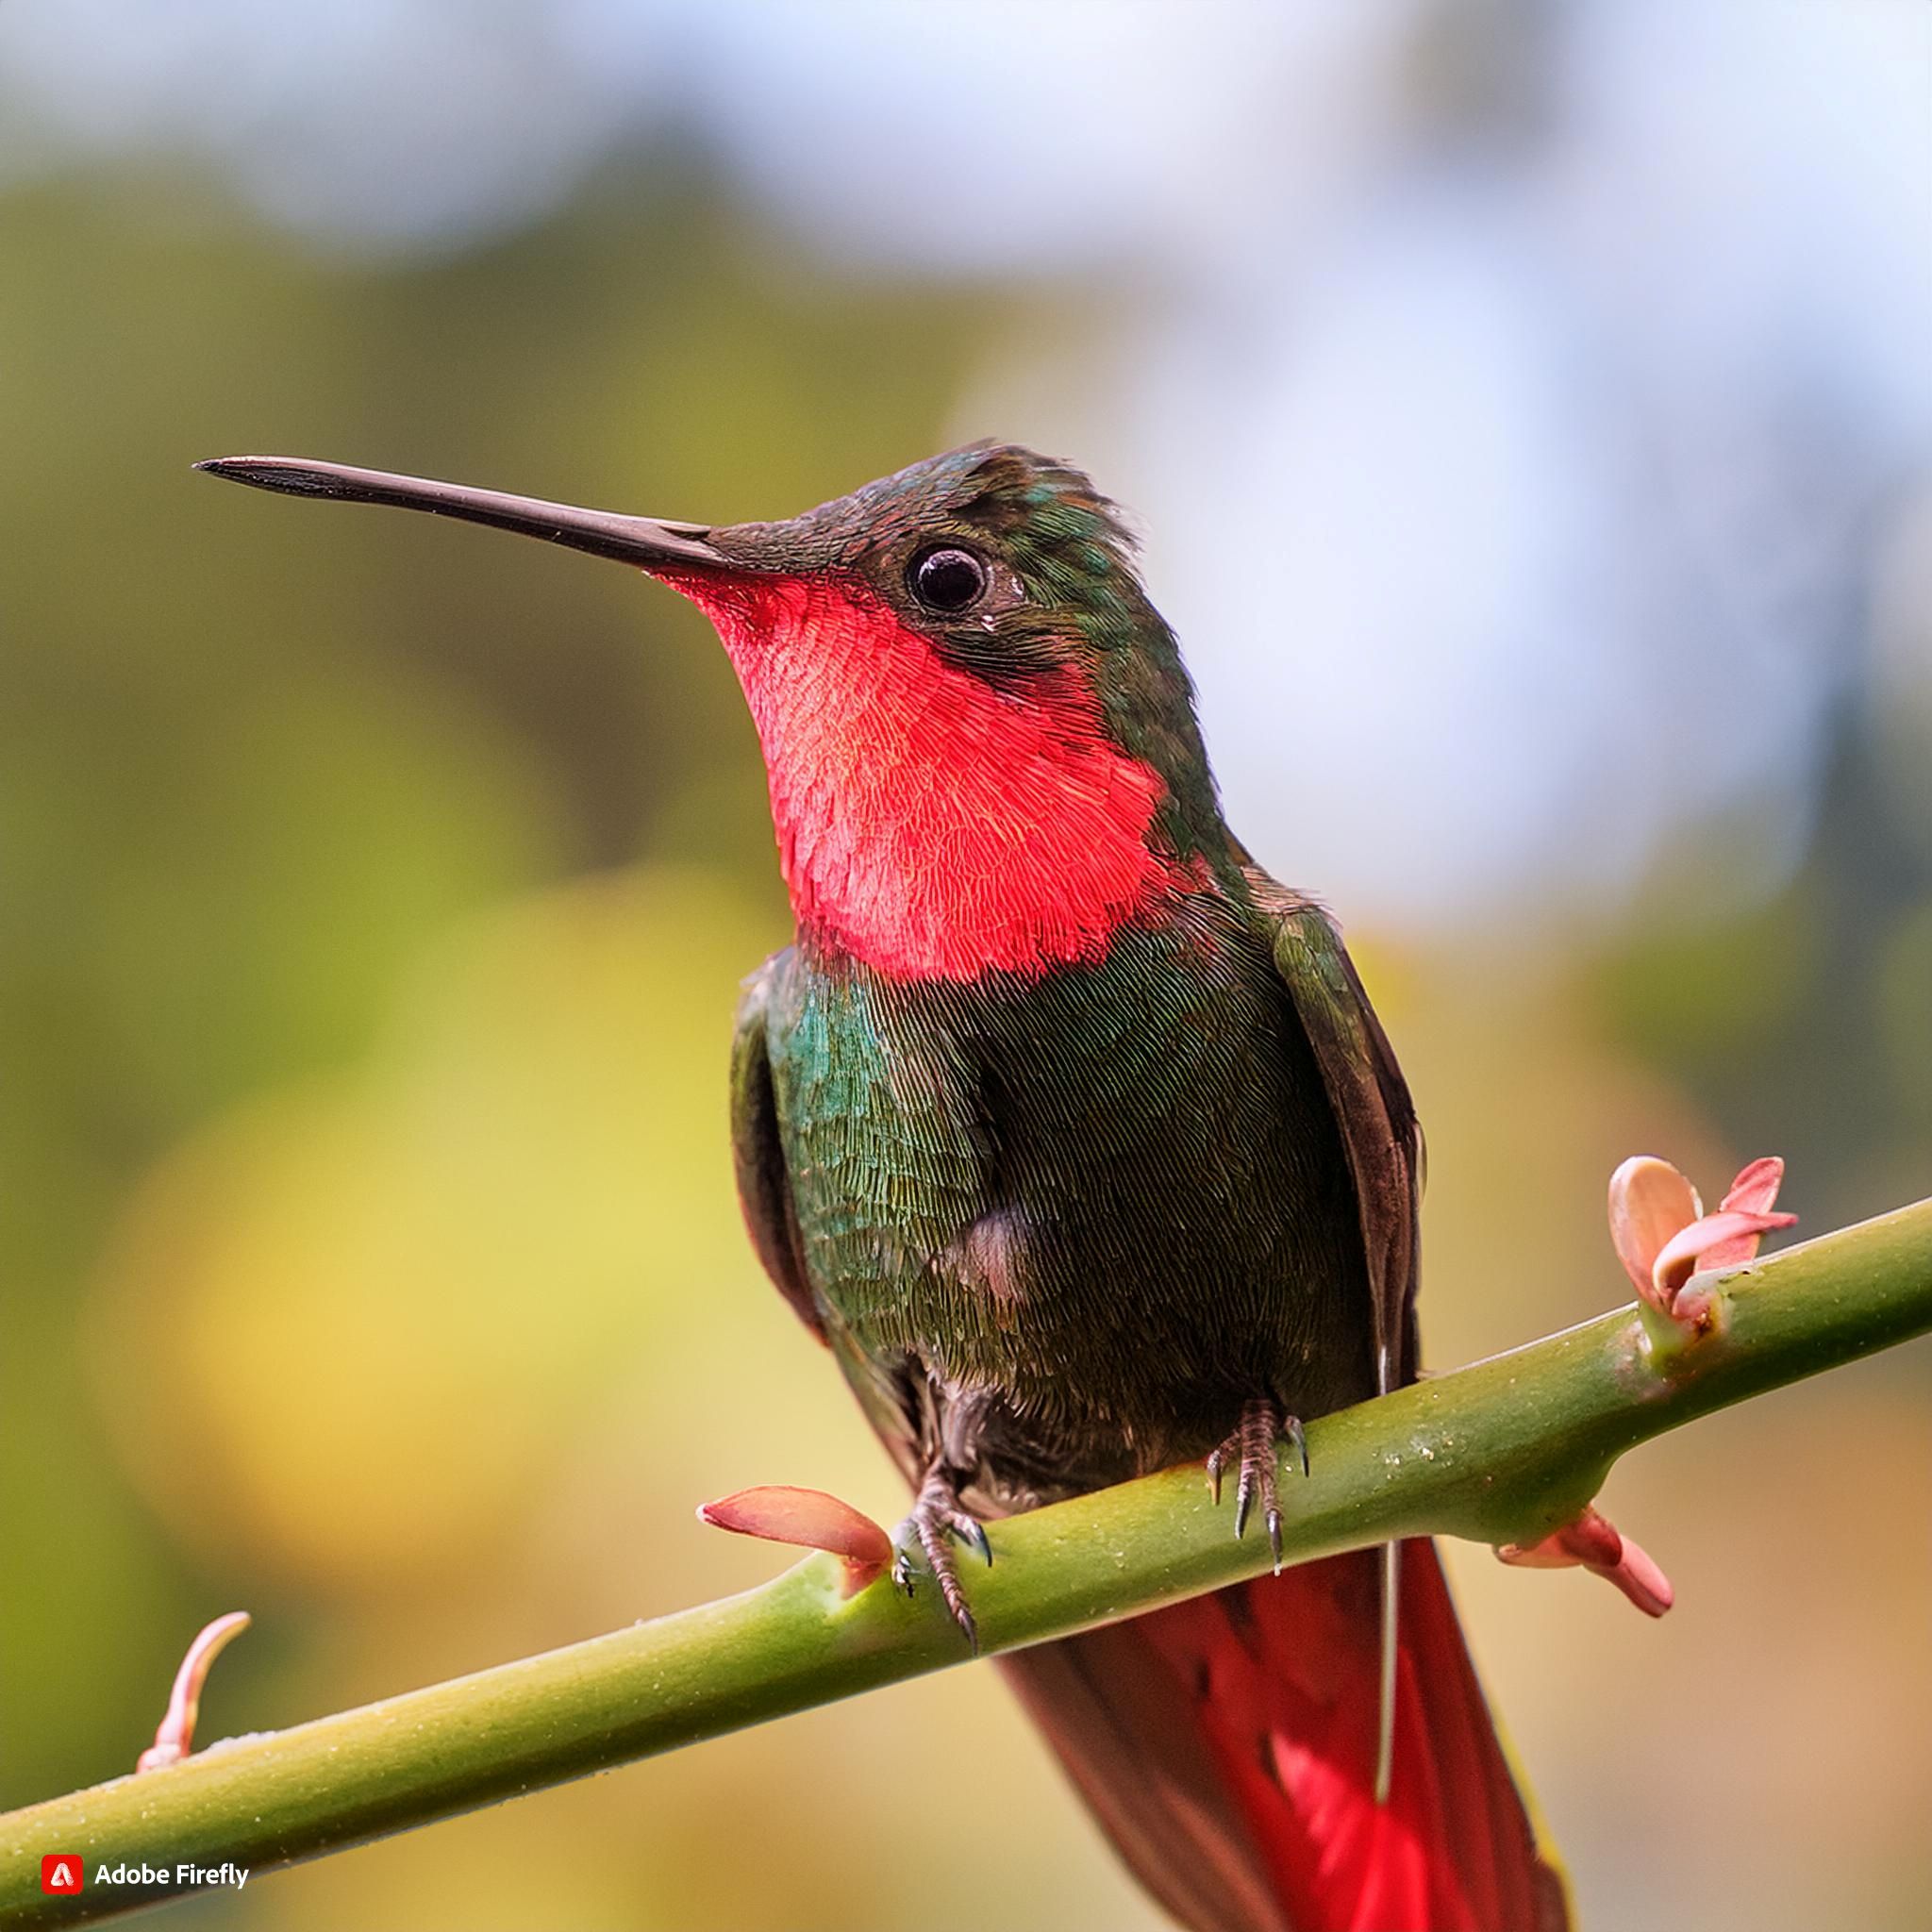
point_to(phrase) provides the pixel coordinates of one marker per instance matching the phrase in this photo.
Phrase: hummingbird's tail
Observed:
(1228, 1747)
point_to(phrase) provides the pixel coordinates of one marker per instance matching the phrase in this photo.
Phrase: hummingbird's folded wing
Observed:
(1376, 1118)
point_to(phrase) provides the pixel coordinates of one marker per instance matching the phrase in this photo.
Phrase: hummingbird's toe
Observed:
(1250, 1450)
(937, 1517)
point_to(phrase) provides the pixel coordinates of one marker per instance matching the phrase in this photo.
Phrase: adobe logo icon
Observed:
(60, 1871)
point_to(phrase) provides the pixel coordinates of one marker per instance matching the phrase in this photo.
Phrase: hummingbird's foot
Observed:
(1251, 1449)
(936, 1517)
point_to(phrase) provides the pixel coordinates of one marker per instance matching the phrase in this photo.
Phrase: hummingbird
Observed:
(1073, 1137)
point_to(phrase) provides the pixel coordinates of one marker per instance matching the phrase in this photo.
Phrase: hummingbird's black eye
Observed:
(946, 579)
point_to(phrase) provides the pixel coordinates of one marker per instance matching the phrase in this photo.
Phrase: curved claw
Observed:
(963, 1617)
(1251, 1447)
(1253, 1479)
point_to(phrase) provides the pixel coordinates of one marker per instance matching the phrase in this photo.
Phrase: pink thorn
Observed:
(1663, 1235)
(1592, 1543)
(1639, 1579)
(1650, 1200)
(778, 1513)
(1755, 1192)
(1717, 1240)
(175, 1739)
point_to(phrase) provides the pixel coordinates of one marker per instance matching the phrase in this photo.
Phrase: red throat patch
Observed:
(929, 824)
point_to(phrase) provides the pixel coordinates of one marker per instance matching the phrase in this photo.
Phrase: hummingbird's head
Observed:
(979, 737)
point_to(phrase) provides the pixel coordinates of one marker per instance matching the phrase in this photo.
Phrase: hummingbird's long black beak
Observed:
(642, 541)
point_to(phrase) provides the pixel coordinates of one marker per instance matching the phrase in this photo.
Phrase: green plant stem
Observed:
(1499, 1452)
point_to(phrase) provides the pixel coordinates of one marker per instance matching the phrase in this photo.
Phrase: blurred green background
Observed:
(1529, 412)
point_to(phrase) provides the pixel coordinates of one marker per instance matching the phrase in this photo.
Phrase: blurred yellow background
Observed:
(1529, 415)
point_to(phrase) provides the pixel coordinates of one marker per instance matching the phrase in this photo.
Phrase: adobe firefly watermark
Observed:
(63, 1873)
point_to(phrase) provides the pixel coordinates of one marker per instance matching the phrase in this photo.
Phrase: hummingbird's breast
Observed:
(1063, 1224)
